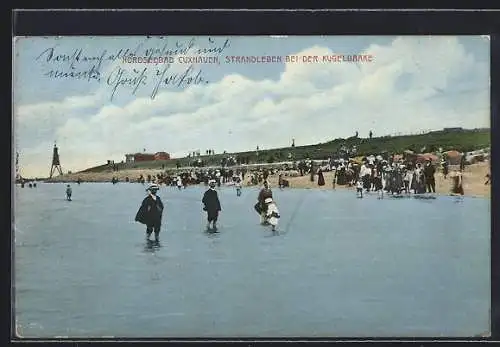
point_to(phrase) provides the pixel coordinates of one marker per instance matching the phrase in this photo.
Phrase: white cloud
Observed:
(310, 102)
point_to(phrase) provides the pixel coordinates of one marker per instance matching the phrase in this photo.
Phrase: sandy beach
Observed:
(473, 179)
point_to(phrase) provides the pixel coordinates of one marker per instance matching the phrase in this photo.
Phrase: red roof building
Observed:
(144, 157)
(130, 158)
(162, 156)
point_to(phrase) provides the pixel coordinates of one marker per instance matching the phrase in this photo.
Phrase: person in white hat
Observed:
(150, 212)
(212, 206)
(272, 213)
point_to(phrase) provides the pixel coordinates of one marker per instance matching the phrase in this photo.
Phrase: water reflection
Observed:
(211, 234)
(152, 246)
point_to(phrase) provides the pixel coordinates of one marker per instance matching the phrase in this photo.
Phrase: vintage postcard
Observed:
(270, 186)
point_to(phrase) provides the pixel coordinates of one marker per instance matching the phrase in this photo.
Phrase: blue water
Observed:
(341, 267)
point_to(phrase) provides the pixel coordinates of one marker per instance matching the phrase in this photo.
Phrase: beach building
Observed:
(135, 157)
(162, 156)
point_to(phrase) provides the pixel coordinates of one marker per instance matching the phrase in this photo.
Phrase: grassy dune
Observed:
(463, 141)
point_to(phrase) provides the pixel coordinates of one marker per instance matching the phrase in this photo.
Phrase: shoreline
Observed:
(473, 180)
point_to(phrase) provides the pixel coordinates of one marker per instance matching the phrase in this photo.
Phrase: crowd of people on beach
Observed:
(392, 176)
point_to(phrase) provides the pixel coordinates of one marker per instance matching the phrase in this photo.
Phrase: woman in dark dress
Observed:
(321, 178)
(261, 207)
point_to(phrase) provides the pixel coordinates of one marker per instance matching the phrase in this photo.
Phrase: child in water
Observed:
(69, 191)
(211, 205)
(238, 186)
(272, 213)
(359, 189)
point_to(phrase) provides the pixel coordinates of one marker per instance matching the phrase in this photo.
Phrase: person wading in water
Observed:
(212, 206)
(261, 206)
(150, 213)
(237, 184)
(272, 213)
(69, 192)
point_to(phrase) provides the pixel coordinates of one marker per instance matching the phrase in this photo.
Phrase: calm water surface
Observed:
(341, 267)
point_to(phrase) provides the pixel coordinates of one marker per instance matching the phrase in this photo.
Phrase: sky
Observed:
(98, 107)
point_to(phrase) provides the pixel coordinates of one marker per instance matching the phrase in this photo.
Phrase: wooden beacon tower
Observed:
(56, 163)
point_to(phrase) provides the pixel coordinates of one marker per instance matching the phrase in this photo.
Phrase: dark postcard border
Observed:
(177, 22)
(43, 23)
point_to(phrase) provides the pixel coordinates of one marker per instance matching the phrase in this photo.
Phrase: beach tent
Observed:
(409, 155)
(423, 157)
(453, 157)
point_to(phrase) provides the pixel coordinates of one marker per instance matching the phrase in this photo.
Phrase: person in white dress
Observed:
(272, 213)
(359, 188)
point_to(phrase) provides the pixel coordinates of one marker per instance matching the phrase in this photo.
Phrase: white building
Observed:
(129, 158)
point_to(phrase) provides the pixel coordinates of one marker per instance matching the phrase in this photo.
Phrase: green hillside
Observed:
(460, 140)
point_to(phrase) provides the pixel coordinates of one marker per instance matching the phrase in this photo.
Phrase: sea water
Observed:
(340, 266)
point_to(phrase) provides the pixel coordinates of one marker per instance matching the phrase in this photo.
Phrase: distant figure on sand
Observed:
(272, 213)
(445, 165)
(430, 182)
(69, 191)
(261, 206)
(212, 206)
(150, 212)
(179, 182)
(408, 176)
(462, 162)
(280, 181)
(321, 178)
(457, 188)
